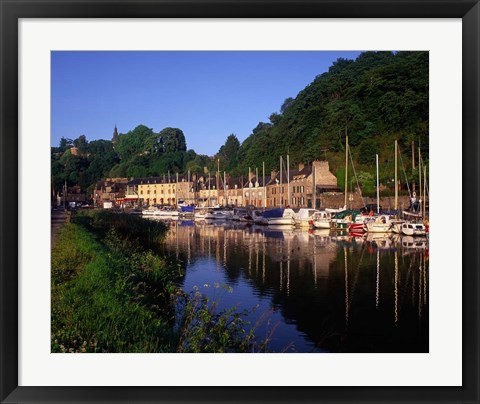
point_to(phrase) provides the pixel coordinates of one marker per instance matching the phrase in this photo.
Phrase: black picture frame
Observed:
(12, 10)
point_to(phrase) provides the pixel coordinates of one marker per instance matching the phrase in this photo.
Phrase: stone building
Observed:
(166, 190)
(254, 191)
(233, 192)
(303, 187)
(109, 190)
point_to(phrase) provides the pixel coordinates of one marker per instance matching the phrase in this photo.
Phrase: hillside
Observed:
(379, 97)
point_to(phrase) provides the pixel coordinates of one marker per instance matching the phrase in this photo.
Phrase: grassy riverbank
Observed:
(111, 292)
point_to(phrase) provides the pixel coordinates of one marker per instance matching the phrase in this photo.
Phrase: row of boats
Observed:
(340, 219)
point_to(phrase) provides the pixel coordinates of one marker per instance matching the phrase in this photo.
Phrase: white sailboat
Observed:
(321, 219)
(381, 223)
(303, 218)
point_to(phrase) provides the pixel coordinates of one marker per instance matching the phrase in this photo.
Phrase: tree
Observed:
(132, 143)
(286, 104)
(228, 153)
(173, 140)
(81, 144)
(65, 144)
(368, 150)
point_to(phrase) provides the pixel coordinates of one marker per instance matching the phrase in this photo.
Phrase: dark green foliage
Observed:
(228, 153)
(130, 227)
(379, 97)
(173, 140)
(97, 300)
(133, 143)
(367, 151)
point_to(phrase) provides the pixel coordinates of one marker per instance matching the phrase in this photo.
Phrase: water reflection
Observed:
(315, 291)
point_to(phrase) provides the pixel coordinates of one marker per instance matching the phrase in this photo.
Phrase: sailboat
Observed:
(329, 210)
(381, 223)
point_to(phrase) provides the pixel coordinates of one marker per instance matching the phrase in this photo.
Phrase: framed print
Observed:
(204, 247)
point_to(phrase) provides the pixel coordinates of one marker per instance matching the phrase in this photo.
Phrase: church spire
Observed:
(115, 135)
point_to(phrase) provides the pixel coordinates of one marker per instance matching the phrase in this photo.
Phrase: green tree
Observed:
(368, 150)
(173, 140)
(81, 144)
(132, 143)
(228, 153)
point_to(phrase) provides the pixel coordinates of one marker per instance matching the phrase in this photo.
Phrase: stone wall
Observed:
(338, 200)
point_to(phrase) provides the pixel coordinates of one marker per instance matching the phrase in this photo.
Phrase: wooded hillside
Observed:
(379, 97)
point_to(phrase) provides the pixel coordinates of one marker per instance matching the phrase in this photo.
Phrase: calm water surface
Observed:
(314, 291)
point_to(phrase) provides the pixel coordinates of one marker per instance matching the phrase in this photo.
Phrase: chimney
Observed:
(301, 166)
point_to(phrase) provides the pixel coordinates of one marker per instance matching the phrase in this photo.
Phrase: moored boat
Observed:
(303, 218)
(200, 214)
(164, 212)
(257, 216)
(241, 215)
(413, 229)
(279, 216)
(215, 215)
(381, 224)
(321, 219)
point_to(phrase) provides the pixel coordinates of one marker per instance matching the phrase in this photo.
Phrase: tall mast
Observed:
(264, 186)
(420, 179)
(218, 181)
(346, 169)
(224, 187)
(288, 179)
(424, 190)
(396, 177)
(188, 177)
(378, 191)
(281, 183)
(256, 182)
(176, 190)
(413, 162)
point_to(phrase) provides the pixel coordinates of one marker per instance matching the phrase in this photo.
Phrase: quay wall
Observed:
(386, 202)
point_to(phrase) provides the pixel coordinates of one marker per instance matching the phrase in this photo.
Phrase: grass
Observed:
(111, 292)
(97, 299)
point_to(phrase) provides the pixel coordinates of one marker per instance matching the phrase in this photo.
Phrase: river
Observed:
(312, 291)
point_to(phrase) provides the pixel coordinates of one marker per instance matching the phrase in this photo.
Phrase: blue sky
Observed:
(208, 95)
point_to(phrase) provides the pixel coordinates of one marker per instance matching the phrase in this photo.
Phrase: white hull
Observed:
(215, 216)
(160, 213)
(413, 229)
(304, 217)
(373, 227)
(381, 224)
(397, 227)
(280, 221)
(302, 222)
(321, 224)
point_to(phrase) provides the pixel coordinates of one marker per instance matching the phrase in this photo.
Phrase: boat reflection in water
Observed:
(314, 291)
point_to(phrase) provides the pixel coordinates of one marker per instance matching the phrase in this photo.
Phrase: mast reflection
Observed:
(330, 292)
